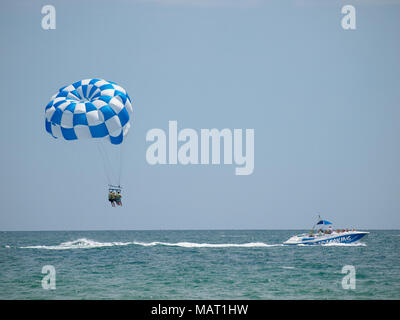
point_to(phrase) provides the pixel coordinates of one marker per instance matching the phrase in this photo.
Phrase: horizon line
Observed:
(250, 229)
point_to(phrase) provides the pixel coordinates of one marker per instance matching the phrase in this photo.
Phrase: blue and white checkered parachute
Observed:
(92, 109)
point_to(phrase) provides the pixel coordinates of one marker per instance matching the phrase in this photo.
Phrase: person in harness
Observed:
(111, 197)
(118, 197)
(114, 195)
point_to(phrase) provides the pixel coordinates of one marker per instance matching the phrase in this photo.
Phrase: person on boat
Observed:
(118, 197)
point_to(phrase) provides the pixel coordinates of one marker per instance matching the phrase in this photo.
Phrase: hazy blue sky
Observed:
(324, 104)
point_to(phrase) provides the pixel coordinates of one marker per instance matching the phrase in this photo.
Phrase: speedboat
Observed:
(325, 235)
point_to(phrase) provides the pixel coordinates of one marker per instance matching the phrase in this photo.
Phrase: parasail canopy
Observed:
(90, 109)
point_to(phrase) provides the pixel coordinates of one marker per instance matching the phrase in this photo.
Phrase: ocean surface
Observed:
(214, 264)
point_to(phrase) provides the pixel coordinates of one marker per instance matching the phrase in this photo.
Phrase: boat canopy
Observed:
(324, 222)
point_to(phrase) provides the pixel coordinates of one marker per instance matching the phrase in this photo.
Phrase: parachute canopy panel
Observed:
(90, 109)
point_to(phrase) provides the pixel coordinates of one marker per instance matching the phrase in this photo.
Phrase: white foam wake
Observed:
(84, 243)
(353, 244)
(207, 245)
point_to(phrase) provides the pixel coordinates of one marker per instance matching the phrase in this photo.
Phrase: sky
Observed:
(323, 103)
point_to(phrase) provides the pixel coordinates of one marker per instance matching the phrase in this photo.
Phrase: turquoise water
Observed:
(240, 264)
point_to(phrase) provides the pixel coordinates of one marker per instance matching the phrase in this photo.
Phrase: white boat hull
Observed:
(342, 237)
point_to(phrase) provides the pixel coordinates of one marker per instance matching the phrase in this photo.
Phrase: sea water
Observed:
(204, 264)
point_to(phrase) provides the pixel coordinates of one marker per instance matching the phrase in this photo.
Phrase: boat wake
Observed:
(84, 243)
(79, 244)
(353, 244)
(207, 245)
